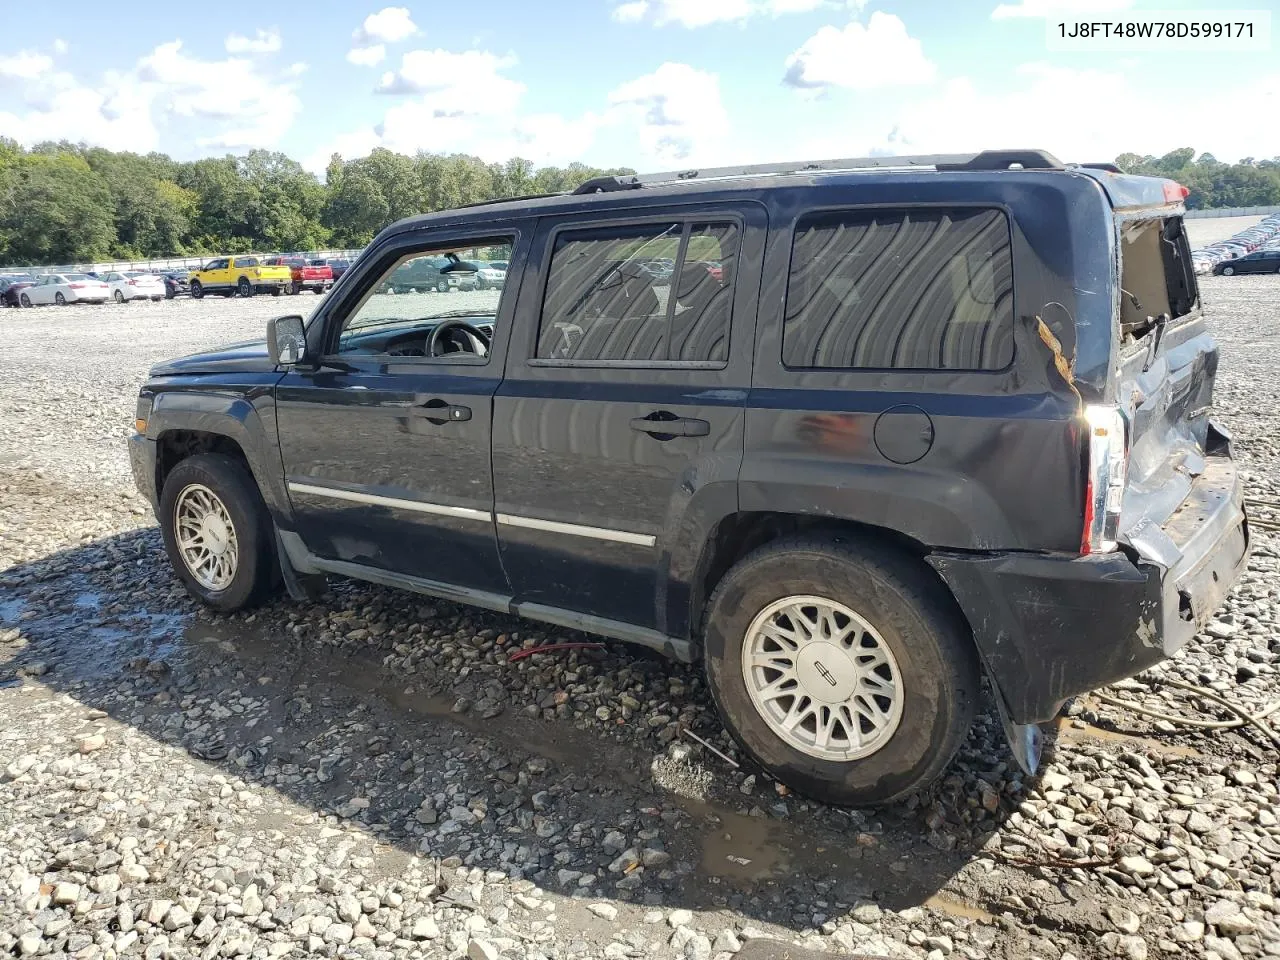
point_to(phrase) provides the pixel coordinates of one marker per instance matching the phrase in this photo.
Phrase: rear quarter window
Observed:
(927, 289)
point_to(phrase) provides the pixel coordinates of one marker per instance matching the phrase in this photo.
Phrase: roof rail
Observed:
(986, 160)
(1109, 167)
(608, 184)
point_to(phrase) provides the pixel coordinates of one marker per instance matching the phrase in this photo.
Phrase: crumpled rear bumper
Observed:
(1052, 627)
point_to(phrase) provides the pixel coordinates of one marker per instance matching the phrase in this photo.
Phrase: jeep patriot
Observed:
(888, 425)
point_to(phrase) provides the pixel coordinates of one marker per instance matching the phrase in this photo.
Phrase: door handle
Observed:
(665, 425)
(441, 412)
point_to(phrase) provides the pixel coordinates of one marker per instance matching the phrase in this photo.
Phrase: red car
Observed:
(11, 287)
(306, 276)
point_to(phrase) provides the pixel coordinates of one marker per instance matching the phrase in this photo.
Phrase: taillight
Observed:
(77, 286)
(1105, 478)
(133, 283)
(1175, 192)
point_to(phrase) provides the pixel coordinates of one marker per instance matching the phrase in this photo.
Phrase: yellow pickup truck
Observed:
(244, 275)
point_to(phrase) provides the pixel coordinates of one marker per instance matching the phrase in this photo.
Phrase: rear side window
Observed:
(923, 289)
(643, 293)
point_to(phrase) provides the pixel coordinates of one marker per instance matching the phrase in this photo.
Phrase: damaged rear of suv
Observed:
(885, 426)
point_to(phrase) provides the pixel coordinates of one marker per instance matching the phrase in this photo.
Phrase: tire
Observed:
(227, 480)
(295, 288)
(24, 300)
(119, 296)
(169, 295)
(197, 289)
(1228, 271)
(59, 299)
(317, 290)
(244, 287)
(275, 291)
(156, 299)
(442, 286)
(909, 613)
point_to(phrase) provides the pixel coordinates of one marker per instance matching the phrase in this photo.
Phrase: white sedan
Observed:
(135, 285)
(64, 288)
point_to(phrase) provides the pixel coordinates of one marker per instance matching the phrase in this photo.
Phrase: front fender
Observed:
(245, 416)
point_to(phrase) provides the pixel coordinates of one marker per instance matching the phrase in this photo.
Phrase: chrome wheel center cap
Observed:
(826, 673)
(214, 531)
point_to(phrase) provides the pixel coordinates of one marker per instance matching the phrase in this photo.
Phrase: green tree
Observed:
(56, 210)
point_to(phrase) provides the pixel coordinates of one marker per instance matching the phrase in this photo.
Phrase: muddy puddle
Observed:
(1068, 732)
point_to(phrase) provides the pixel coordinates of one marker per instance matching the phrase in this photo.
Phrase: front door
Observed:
(386, 445)
(621, 416)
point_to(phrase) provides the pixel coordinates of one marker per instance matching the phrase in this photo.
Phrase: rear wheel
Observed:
(24, 300)
(217, 531)
(1228, 271)
(197, 289)
(442, 286)
(844, 671)
(295, 288)
(59, 299)
(244, 287)
(119, 295)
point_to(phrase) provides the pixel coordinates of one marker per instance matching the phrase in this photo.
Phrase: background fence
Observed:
(1233, 212)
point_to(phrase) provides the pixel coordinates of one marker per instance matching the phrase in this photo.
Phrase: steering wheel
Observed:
(479, 342)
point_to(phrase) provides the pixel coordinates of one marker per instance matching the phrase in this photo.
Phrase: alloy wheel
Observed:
(822, 678)
(206, 537)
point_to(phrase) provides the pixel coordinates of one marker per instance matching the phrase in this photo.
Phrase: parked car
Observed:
(421, 274)
(1264, 261)
(245, 275)
(175, 284)
(11, 286)
(828, 474)
(63, 289)
(313, 275)
(480, 275)
(339, 266)
(134, 285)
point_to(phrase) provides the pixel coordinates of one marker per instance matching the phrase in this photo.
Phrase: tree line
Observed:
(69, 203)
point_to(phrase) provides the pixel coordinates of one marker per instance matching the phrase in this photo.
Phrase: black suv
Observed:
(891, 424)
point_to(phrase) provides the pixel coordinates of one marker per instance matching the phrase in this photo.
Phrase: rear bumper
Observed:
(262, 286)
(1050, 628)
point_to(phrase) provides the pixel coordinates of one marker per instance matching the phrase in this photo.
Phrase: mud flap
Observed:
(1026, 740)
(302, 587)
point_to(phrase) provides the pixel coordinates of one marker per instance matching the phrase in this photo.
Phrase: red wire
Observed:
(522, 654)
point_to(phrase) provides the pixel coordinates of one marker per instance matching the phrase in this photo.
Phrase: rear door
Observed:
(621, 416)
(386, 444)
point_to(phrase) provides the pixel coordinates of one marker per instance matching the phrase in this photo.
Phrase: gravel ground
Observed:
(1202, 231)
(371, 776)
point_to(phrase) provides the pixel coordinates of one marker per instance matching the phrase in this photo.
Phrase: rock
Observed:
(425, 928)
(92, 743)
(680, 918)
(157, 910)
(943, 945)
(651, 857)
(1134, 948)
(65, 893)
(481, 950)
(605, 911)
(1126, 921)
(868, 913)
(339, 933)
(29, 943)
(726, 942)
(18, 767)
(1053, 780)
(1137, 866)
(1221, 631)
(614, 842)
(626, 861)
(348, 909)
(177, 918)
(698, 947)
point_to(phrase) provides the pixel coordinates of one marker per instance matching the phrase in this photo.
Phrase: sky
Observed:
(649, 84)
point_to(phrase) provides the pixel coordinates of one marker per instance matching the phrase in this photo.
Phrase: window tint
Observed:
(653, 292)
(918, 289)
(246, 261)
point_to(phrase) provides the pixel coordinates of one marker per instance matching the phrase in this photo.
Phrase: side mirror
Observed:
(286, 340)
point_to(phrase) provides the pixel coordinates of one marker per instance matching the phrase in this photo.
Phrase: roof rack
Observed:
(608, 184)
(986, 160)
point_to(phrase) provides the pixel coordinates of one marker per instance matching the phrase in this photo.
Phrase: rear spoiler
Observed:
(1128, 192)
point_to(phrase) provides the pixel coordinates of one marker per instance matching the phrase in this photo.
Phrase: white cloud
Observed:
(632, 12)
(264, 41)
(880, 54)
(388, 25)
(1055, 108)
(460, 80)
(1053, 8)
(367, 56)
(25, 65)
(117, 116)
(702, 13)
(59, 46)
(368, 41)
(679, 111)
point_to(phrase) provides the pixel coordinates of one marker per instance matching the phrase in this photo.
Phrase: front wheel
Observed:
(442, 286)
(24, 300)
(197, 290)
(845, 672)
(1228, 271)
(217, 532)
(119, 295)
(244, 287)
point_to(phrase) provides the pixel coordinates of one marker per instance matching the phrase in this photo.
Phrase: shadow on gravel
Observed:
(537, 791)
